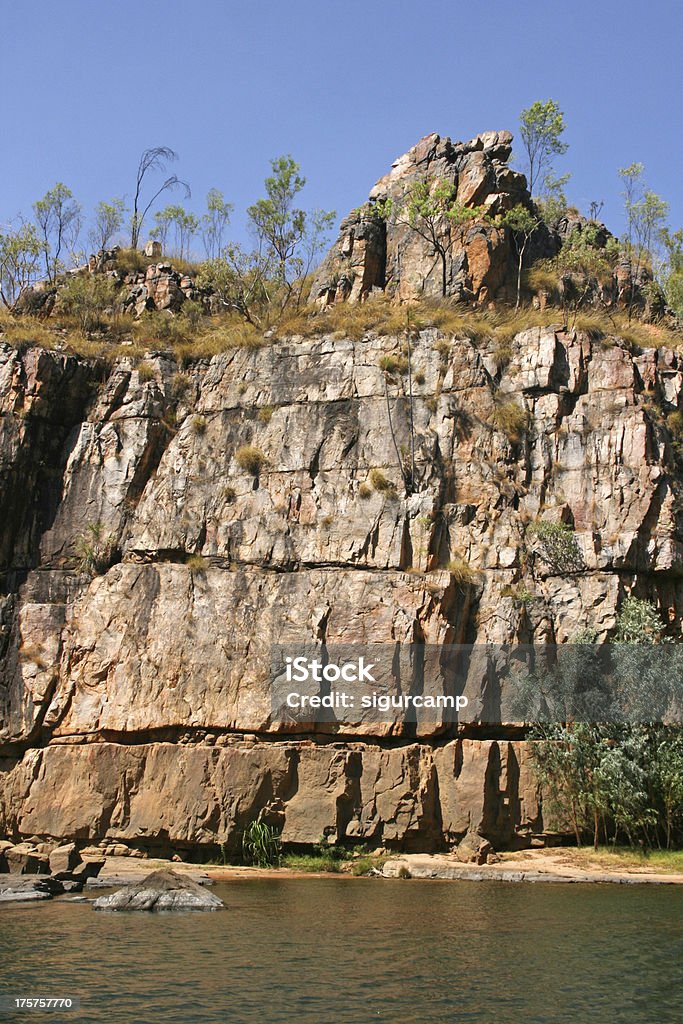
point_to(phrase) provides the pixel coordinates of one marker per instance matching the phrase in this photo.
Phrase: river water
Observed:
(341, 951)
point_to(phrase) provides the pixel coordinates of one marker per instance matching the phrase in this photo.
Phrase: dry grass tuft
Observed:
(511, 418)
(250, 459)
(462, 572)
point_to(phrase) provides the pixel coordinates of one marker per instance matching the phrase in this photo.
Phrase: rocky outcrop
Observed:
(161, 890)
(378, 249)
(161, 795)
(147, 567)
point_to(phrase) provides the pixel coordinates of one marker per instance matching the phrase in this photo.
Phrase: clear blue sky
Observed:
(344, 87)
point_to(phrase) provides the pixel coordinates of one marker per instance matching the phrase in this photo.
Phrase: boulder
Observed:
(64, 859)
(473, 849)
(161, 890)
(24, 859)
(29, 889)
(153, 250)
(89, 868)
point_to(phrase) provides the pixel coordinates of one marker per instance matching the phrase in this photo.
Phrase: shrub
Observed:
(229, 494)
(511, 418)
(145, 372)
(462, 572)
(638, 623)
(380, 482)
(161, 327)
(250, 459)
(367, 864)
(674, 422)
(196, 563)
(86, 297)
(198, 424)
(364, 491)
(95, 550)
(558, 547)
(265, 413)
(518, 593)
(419, 377)
(394, 364)
(261, 844)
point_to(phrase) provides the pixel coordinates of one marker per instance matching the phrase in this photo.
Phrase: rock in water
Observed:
(161, 890)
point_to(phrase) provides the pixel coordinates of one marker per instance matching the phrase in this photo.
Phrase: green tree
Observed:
(431, 210)
(214, 223)
(58, 217)
(668, 778)
(522, 224)
(553, 202)
(86, 297)
(288, 238)
(541, 128)
(600, 752)
(109, 218)
(646, 214)
(672, 269)
(174, 222)
(240, 280)
(152, 160)
(20, 253)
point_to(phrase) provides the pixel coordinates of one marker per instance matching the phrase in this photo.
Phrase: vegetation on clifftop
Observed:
(236, 295)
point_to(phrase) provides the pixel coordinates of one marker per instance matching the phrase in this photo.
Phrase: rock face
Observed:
(161, 890)
(146, 569)
(378, 249)
(29, 889)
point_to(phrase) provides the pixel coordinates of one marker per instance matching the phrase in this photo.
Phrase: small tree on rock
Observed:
(108, 220)
(214, 223)
(58, 217)
(431, 210)
(288, 238)
(522, 224)
(541, 128)
(20, 253)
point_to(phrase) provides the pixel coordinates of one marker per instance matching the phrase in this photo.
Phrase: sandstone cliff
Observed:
(164, 525)
(133, 697)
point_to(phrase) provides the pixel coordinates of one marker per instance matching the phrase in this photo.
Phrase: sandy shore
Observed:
(528, 866)
(552, 865)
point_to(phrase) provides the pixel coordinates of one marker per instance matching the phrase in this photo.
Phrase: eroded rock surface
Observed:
(378, 249)
(161, 890)
(147, 568)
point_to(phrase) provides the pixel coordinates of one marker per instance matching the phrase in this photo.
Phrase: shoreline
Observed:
(552, 865)
(542, 866)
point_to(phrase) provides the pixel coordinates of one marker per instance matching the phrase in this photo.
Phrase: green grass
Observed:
(312, 862)
(364, 865)
(337, 861)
